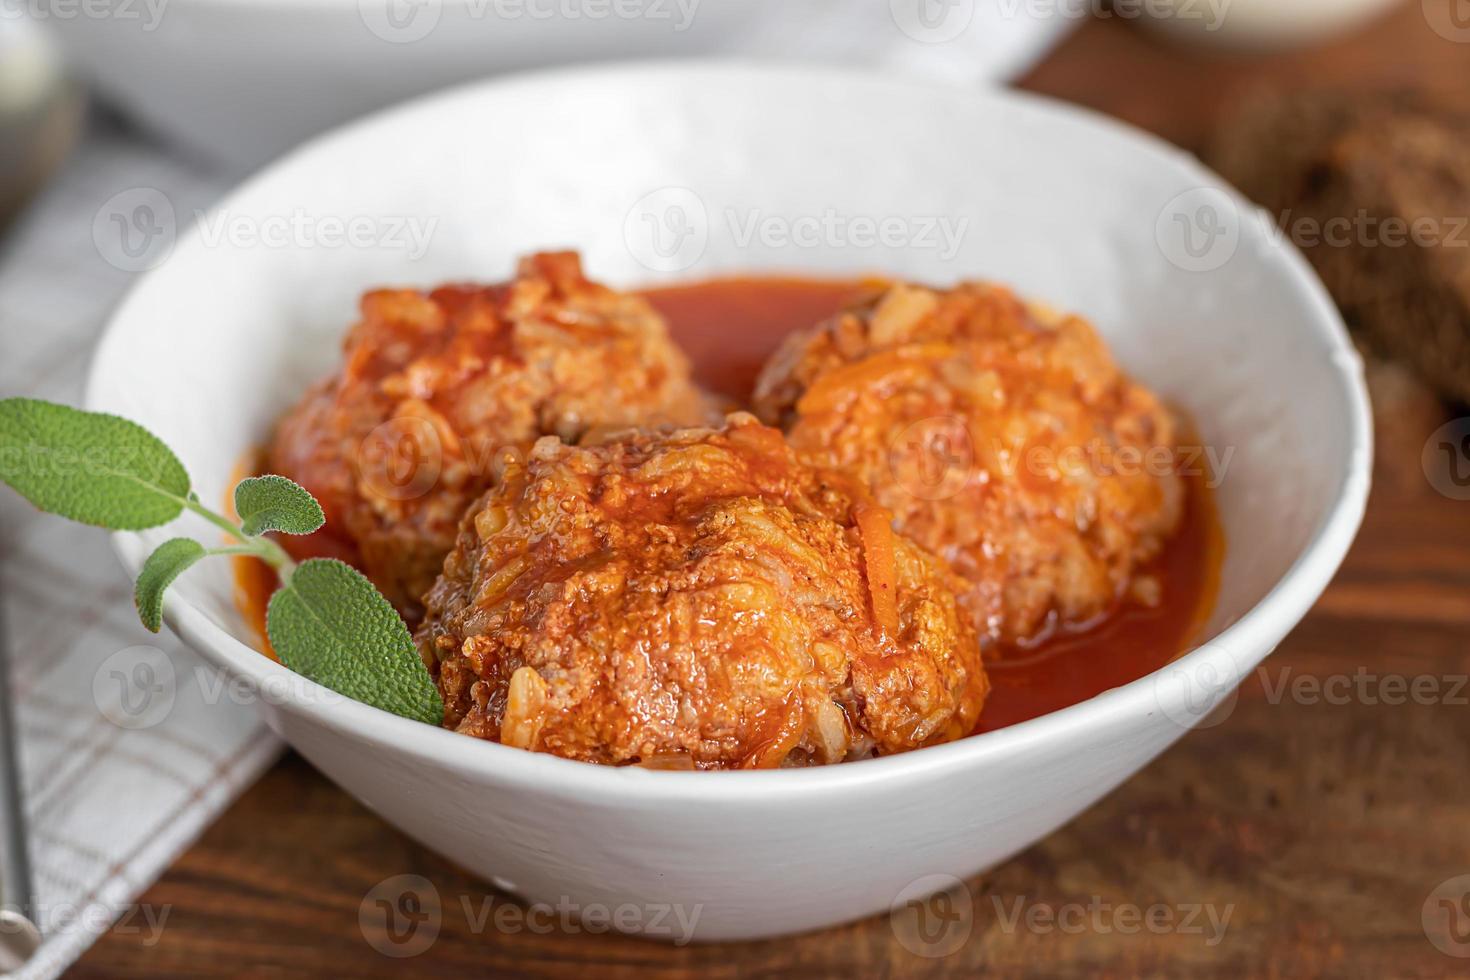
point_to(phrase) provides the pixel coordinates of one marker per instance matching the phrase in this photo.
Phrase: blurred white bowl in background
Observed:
(1262, 23)
(242, 80)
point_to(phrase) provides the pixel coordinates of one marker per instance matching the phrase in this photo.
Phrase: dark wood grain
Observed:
(1323, 826)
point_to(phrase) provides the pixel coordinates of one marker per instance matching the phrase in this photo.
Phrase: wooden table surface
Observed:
(1322, 823)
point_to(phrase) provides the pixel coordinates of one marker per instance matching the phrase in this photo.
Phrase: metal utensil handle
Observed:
(15, 856)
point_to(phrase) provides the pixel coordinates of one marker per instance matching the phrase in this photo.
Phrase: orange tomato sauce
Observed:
(728, 327)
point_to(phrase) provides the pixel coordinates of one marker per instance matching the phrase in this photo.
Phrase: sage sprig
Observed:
(327, 622)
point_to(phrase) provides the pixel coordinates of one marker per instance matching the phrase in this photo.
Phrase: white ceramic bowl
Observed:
(214, 344)
(243, 80)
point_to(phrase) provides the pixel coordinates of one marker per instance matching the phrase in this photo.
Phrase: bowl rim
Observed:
(1255, 633)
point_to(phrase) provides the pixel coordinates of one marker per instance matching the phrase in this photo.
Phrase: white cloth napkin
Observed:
(121, 768)
(129, 745)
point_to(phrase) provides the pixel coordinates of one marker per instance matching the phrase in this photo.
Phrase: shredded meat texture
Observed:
(1002, 437)
(434, 386)
(696, 598)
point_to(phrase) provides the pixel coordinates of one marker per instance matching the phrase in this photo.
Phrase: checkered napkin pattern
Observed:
(129, 747)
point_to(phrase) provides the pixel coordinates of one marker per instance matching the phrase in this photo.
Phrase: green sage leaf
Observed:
(89, 466)
(329, 623)
(166, 563)
(274, 503)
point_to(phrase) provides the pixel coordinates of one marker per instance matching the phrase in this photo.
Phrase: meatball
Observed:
(1003, 438)
(433, 385)
(695, 599)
